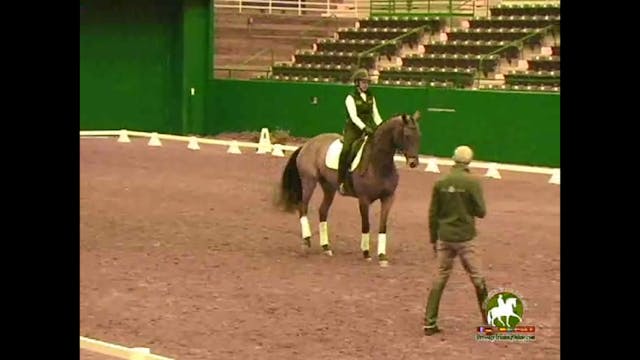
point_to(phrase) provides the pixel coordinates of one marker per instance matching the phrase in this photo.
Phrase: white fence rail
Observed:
(493, 169)
(301, 7)
(118, 351)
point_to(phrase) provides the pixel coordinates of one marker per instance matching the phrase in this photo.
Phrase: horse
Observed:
(501, 311)
(375, 178)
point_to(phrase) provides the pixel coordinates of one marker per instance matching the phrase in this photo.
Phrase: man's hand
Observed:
(368, 130)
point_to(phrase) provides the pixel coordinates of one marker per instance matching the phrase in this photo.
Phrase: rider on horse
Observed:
(362, 118)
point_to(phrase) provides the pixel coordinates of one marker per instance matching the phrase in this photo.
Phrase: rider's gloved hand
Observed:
(368, 130)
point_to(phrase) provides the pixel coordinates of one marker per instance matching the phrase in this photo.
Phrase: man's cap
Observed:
(463, 154)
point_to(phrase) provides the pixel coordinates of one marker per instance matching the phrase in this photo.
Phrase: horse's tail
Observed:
(290, 189)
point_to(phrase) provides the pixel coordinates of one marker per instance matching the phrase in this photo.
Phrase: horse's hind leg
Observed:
(308, 186)
(323, 212)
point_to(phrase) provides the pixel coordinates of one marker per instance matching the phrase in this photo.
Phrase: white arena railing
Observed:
(118, 351)
(264, 146)
(300, 7)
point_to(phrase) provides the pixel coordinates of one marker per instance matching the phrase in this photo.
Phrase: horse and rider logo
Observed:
(504, 309)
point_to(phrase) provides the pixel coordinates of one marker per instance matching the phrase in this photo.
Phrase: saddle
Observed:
(355, 157)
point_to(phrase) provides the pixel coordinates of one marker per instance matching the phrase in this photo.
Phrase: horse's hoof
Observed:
(383, 260)
(306, 242)
(326, 250)
(366, 255)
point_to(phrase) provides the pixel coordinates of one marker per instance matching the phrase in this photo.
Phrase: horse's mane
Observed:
(397, 117)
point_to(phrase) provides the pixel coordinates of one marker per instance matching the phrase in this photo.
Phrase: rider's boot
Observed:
(341, 172)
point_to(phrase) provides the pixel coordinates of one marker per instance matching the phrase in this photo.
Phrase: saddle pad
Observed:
(333, 155)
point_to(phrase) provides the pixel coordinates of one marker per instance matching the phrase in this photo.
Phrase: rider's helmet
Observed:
(360, 74)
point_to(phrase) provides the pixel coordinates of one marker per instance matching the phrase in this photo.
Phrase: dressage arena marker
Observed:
(123, 138)
(234, 148)
(492, 171)
(264, 145)
(277, 150)
(193, 143)
(119, 351)
(432, 166)
(555, 178)
(155, 140)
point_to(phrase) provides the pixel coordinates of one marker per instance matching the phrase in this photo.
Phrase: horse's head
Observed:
(407, 138)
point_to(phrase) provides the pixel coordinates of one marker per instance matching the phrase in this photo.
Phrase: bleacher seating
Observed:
(506, 49)
(460, 77)
(336, 58)
(486, 64)
(417, 83)
(301, 78)
(433, 24)
(514, 22)
(337, 73)
(535, 78)
(457, 62)
(496, 34)
(544, 63)
(505, 87)
(386, 33)
(338, 45)
(526, 10)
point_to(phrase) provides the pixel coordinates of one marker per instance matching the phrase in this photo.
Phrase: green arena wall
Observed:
(146, 65)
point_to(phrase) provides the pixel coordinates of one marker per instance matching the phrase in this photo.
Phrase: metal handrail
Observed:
(390, 41)
(271, 5)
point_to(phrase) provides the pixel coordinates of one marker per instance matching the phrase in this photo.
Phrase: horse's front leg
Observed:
(364, 214)
(385, 208)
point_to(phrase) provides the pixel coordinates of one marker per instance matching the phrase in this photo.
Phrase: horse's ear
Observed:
(417, 115)
(405, 119)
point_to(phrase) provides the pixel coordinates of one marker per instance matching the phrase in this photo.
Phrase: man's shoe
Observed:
(428, 331)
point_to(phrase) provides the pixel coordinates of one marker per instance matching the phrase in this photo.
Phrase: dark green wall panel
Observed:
(505, 127)
(237, 105)
(196, 35)
(509, 127)
(130, 65)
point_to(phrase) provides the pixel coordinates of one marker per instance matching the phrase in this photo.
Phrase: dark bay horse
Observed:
(375, 178)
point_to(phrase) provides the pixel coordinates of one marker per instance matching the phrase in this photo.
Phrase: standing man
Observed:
(362, 118)
(457, 199)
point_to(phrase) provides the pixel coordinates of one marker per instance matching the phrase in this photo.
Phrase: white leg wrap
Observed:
(382, 244)
(306, 230)
(324, 233)
(364, 243)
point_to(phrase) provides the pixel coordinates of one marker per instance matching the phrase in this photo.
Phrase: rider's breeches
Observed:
(349, 137)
